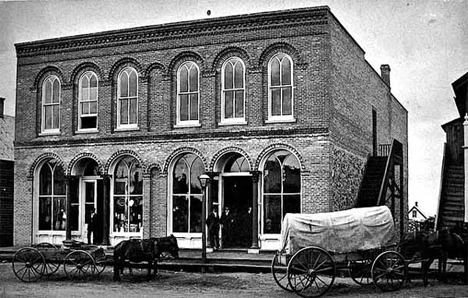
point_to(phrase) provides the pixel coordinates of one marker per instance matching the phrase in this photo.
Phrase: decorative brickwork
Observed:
(347, 173)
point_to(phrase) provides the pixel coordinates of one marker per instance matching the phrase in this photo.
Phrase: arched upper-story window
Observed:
(88, 101)
(51, 105)
(127, 101)
(188, 94)
(187, 194)
(52, 197)
(281, 189)
(280, 87)
(233, 91)
(128, 196)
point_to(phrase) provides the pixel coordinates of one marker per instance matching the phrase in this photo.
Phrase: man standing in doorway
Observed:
(213, 228)
(92, 226)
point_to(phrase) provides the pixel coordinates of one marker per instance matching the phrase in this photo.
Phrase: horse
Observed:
(453, 246)
(425, 247)
(144, 250)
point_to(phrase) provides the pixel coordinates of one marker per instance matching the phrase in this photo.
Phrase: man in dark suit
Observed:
(213, 228)
(92, 226)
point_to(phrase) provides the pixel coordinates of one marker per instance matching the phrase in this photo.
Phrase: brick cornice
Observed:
(203, 27)
(39, 142)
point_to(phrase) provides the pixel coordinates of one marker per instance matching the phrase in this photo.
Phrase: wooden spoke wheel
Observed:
(100, 261)
(389, 271)
(279, 266)
(311, 272)
(53, 263)
(79, 265)
(28, 264)
(360, 272)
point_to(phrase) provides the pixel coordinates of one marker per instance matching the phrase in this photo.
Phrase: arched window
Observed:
(127, 103)
(51, 104)
(128, 196)
(188, 94)
(187, 194)
(281, 189)
(237, 163)
(52, 196)
(233, 91)
(280, 87)
(88, 101)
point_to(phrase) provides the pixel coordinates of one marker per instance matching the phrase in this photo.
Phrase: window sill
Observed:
(187, 125)
(227, 123)
(281, 120)
(130, 128)
(49, 133)
(83, 131)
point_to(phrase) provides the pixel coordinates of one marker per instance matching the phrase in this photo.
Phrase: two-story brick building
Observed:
(280, 109)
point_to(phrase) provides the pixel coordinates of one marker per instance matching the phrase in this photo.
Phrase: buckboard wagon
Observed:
(79, 261)
(315, 246)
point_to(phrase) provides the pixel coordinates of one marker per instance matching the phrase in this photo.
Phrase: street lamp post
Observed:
(204, 178)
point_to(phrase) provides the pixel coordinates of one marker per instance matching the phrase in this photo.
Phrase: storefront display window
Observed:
(128, 196)
(281, 189)
(52, 216)
(187, 194)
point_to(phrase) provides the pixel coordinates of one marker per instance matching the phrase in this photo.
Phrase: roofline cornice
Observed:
(316, 15)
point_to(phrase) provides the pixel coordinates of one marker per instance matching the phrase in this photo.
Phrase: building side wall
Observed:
(7, 133)
(6, 202)
(357, 90)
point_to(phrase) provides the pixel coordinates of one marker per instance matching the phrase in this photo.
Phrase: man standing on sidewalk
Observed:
(213, 228)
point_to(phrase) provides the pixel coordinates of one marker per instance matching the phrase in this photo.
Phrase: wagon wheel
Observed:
(52, 265)
(279, 268)
(79, 264)
(100, 261)
(311, 272)
(389, 271)
(360, 271)
(28, 264)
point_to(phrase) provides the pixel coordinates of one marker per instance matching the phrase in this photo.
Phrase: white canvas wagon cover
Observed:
(339, 232)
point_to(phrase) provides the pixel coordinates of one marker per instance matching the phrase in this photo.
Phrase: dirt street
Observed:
(186, 284)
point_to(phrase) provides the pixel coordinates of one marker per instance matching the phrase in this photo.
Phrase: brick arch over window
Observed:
(184, 57)
(176, 153)
(84, 67)
(155, 67)
(275, 48)
(43, 157)
(119, 154)
(81, 156)
(228, 53)
(280, 146)
(121, 64)
(151, 167)
(45, 72)
(227, 150)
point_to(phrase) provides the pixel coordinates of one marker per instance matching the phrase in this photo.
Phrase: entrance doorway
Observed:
(92, 199)
(237, 229)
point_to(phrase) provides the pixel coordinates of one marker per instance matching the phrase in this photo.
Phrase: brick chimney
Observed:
(2, 103)
(385, 73)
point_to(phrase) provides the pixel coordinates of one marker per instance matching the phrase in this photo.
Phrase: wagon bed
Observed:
(79, 261)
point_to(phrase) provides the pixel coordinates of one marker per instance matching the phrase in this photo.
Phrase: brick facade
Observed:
(335, 90)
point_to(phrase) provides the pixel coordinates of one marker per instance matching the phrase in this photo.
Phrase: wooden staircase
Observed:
(451, 205)
(452, 186)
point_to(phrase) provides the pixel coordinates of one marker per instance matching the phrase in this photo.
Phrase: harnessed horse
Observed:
(144, 250)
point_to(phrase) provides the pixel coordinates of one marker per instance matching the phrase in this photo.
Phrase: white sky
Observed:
(425, 42)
